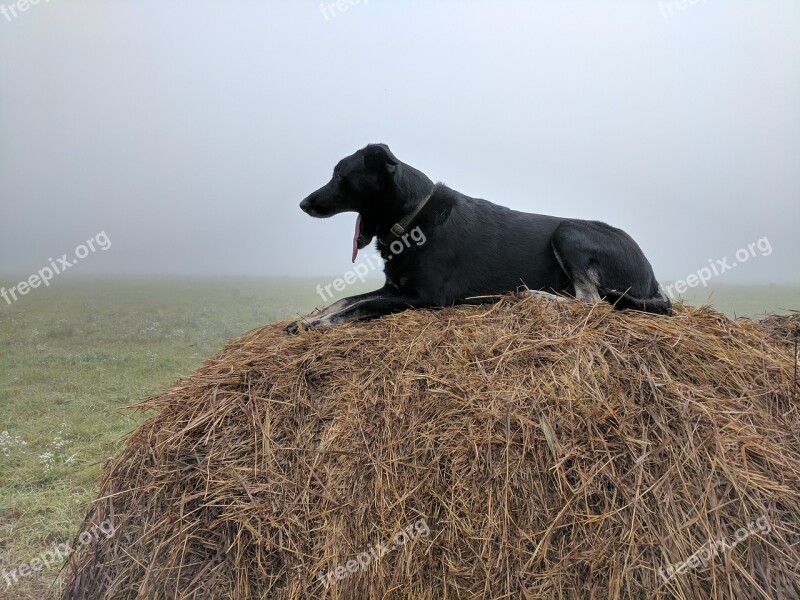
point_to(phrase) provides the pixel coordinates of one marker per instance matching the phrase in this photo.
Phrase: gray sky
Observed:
(189, 131)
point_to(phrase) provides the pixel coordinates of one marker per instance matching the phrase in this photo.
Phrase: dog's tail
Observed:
(622, 300)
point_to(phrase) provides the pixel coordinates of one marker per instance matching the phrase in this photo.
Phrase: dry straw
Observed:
(555, 450)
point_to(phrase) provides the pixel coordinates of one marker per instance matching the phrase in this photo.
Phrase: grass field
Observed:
(73, 355)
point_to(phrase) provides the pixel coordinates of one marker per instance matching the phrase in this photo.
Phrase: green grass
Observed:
(746, 300)
(74, 354)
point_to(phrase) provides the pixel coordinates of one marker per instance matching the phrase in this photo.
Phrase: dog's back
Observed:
(477, 248)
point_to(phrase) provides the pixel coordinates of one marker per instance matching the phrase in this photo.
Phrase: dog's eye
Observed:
(339, 178)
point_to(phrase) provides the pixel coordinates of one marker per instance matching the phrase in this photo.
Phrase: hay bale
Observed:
(550, 450)
(784, 329)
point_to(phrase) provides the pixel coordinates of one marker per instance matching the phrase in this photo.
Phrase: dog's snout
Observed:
(321, 204)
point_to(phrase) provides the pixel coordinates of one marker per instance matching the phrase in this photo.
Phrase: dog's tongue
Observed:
(355, 237)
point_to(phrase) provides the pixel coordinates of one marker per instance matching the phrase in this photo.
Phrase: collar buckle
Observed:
(399, 229)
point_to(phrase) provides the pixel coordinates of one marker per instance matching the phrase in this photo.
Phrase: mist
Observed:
(188, 132)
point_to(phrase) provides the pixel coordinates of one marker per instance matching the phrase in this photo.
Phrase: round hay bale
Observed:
(527, 449)
(782, 328)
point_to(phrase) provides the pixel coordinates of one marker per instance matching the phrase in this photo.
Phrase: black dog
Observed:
(471, 248)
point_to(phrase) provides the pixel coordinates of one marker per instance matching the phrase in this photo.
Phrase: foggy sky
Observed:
(188, 131)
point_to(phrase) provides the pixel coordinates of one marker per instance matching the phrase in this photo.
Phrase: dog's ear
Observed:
(378, 157)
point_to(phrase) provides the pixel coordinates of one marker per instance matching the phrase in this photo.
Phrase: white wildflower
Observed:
(9, 442)
(47, 461)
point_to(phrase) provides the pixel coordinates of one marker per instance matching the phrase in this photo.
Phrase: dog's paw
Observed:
(293, 328)
(296, 327)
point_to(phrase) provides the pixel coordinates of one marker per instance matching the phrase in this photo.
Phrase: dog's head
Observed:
(360, 183)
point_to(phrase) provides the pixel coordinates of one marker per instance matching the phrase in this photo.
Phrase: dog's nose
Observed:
(304, 205)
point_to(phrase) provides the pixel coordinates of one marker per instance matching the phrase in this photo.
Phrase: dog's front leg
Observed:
(375, 306)
(337, 312)
(294, 326)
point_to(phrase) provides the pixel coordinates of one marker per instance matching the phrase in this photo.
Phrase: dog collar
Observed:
(399, 228)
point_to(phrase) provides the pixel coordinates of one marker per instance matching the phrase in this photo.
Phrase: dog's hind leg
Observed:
(603, 262)
(586, 283)
(585, 279)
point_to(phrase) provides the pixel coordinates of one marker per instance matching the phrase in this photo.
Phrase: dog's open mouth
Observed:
(360, 238)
